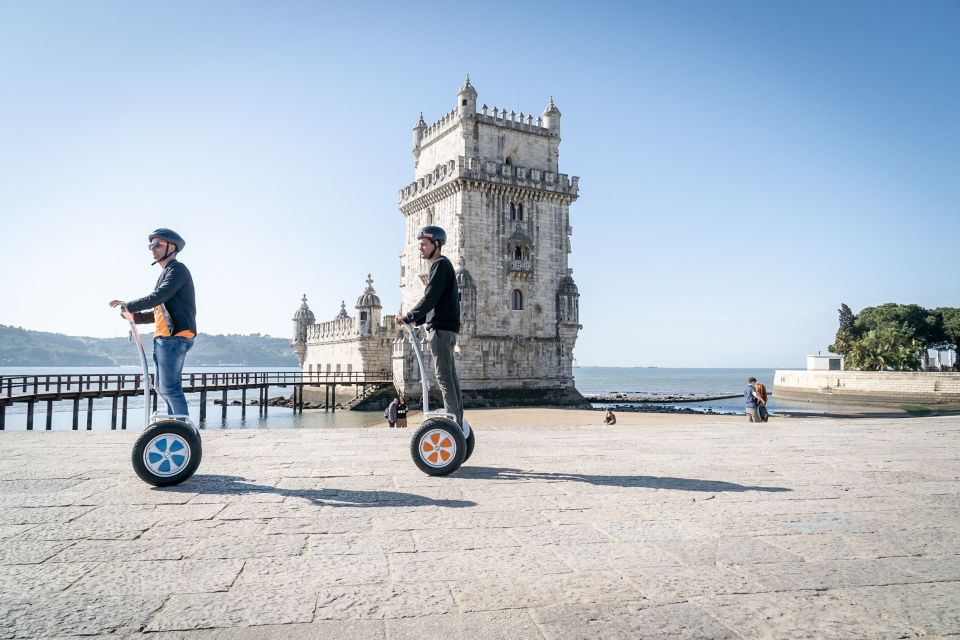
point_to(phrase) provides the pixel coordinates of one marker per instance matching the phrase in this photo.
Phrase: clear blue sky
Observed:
(745, 166)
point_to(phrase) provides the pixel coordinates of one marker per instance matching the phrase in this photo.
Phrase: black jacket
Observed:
(175, 295)
(441, 296)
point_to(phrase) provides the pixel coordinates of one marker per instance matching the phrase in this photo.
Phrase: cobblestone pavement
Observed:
(700, 528)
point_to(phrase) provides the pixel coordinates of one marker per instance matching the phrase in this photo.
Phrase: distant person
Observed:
(401, 413)
(610, 418)
(173, 311)
(761, 401)
(391, 413)
(442, 297)
(751, 399)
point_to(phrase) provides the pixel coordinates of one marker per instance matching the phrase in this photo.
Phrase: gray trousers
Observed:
(441, 346)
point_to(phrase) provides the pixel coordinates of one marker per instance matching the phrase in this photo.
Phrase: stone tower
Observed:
(491, 179)
(302, 320)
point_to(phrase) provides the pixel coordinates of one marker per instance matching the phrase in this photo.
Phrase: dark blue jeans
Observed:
(168, 356)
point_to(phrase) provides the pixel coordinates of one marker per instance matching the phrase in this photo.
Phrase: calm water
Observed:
(590, 380)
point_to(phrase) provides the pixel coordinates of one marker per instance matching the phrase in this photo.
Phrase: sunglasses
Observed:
(154, 245)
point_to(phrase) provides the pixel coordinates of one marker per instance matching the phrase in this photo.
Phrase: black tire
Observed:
(167, 453)
(437, 447)
(470, 444)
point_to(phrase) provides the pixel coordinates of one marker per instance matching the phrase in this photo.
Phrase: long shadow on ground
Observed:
(211, 484)
(646, 482)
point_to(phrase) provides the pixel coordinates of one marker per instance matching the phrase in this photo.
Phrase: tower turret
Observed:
(418, 130)
(302, 320)
(368, 305)
(467, 99)
(468, 298)
(551, 117)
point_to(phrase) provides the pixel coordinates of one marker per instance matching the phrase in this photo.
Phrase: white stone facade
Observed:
(491, 179)
(347, 344)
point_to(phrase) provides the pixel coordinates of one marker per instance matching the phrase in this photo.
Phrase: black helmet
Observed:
(433, 233)
(170, 236)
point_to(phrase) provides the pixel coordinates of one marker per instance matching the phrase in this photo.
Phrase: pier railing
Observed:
(51, 388)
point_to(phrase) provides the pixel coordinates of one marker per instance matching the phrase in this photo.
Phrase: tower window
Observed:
(518, 253)
(363, 316)
(516, 300)
(520, 211)
(509, 160)
(463, 102)
(516, 211)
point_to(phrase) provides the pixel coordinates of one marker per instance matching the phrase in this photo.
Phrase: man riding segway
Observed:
(169, 450)
(174, 312)
(443, 442)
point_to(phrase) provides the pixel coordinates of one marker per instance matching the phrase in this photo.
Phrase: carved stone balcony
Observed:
(520, 268)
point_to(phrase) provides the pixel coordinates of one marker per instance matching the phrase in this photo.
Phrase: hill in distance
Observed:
(24, 348)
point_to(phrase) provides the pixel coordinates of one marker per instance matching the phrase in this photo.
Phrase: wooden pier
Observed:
(120, 387)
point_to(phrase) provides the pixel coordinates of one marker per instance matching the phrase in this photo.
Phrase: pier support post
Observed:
(243, 404)
(203, 405)
(333, 397)
(3, 416)
(76, 413)
(113, 414)
(223, 414)
(30, 415)
(266, 400)
(90, 413)
(123, 413)
(49, 424)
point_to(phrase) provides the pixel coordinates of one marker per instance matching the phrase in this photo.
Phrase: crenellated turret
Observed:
(468, 298)
(418, 131)
(467, 99)
(368, 305)
(551, 117)
(568, 300)
(303, 319)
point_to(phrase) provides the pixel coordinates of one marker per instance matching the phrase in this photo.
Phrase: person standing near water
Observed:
(173, 309)
(751, 399)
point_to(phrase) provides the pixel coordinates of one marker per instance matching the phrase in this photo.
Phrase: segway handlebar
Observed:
(135, 334)
(423, 373)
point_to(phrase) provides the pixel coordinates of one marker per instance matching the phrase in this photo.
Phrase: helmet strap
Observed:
(436, 247)
(165, 255)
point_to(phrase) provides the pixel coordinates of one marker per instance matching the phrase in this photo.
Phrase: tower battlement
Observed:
(494, 173)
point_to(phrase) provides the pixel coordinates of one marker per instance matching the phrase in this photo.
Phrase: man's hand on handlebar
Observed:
(123, 309)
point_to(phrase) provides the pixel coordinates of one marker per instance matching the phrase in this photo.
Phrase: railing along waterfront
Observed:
(51, 388)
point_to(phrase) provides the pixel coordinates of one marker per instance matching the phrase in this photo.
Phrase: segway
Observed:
(169, 450)
(439, 446)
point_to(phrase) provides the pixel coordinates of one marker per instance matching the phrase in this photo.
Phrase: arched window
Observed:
(520, 211)
(509, 160)
(517, 300)
(518, 253)
(513, 211)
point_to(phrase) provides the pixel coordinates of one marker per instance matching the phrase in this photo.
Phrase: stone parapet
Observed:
(881, 388)
(493, 174)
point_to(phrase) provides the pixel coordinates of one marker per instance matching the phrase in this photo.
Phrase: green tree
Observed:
(886, 347)
(950, 318)
(926, 326)
(844, 338)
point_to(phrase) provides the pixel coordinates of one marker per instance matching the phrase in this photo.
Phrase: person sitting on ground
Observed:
(401, 413)
(610, 418)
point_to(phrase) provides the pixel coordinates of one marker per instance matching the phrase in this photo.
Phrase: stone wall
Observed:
(882, 388)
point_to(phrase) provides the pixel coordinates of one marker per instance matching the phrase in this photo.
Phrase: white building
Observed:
(491, 179)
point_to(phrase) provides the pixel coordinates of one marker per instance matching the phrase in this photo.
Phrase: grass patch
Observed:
(916, 409)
